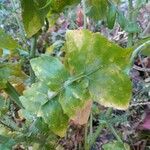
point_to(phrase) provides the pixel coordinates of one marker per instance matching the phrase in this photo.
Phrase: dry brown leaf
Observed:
(83, 114)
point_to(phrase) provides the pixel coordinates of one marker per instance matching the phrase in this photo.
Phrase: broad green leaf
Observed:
(111, 87)
(111, 16)
(35, 11)
(7, 42)
(74, 97)
(103, 63)
(96, 9)
(49, 70)
(57, 5)
(32, 17)
(53, 115)
(116, 145)
(34, 97)
(70, 93)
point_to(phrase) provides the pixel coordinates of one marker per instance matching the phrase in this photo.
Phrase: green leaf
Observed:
(121, 19)
(7, 42)
(49, 70)
(3, 106)
(35, 11)
(8, 71)
(116, 145)
(96, 9)
(111, 16)
(53, 115)
(69, 93)
(11, 91)
(34, 97)
(103, 63)
(132, 27)
(39, 127)
(33, 19)
(57, 6)
(4, 75)
(74, 97)
(111, 87)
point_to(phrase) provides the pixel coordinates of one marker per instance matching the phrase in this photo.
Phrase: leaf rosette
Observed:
(94, 68)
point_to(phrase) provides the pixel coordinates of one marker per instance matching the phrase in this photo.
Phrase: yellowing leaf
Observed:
(58, 5)
(82, 115)
(32, 19)
(54, 117)
(1, 52)
(73, 98)
(8, 71)
(105, 65)
(96, 9)
(34, 97)
(7, 42)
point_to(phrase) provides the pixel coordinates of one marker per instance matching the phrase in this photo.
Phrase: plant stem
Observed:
(32, 55)
(130, 35)
(99, 129)
(86, 141)
(96, 134)
(91, 124)
(11, 91)
(115, 133)
(109, 112)
(84, 13)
